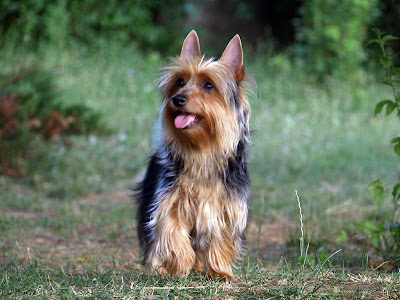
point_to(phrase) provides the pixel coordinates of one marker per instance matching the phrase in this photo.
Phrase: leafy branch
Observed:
(385, 235)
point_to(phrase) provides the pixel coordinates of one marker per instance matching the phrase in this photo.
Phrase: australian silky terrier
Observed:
(194, 199)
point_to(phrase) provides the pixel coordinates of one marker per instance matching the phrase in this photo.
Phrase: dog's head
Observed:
(205, 106)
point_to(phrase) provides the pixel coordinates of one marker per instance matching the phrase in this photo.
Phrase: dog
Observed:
(194, 199)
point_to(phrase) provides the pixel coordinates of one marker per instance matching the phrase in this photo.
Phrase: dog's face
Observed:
(204, 105)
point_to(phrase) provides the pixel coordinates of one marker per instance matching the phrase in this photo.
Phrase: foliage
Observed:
(30, 110)
(149, 23)
(385, 234)
(331, 34)
(388, 20)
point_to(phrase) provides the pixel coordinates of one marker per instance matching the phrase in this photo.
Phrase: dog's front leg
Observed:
(171, 251)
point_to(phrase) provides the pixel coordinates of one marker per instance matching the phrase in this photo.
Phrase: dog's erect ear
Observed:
(233, 57)
(191, 46)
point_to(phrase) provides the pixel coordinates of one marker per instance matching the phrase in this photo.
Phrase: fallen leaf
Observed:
(14, 170)
(55, 124)
(33, 123)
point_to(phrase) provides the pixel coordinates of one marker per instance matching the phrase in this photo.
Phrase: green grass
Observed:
(68, 229)
(39, 281)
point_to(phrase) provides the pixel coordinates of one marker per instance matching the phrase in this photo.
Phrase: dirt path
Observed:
(119, 248)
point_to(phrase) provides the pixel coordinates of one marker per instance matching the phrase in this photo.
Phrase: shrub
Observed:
(30, 111)
(331, 33)
(149, 23)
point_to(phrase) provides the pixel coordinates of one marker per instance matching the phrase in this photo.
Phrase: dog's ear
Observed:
(233, 57)
(191, 46)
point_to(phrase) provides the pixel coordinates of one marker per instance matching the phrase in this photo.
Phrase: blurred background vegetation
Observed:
(78, 96)
(322, 37)
(319, 31)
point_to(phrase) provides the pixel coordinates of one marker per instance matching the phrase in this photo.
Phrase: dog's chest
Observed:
(199, 199)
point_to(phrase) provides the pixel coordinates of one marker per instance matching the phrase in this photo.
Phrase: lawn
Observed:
(68, 229)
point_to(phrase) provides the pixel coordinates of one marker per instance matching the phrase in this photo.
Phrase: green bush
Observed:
(331, 34)
(31, 112)
(149, 23)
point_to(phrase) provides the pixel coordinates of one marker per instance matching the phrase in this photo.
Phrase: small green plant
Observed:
(314, 262)
(384, 235)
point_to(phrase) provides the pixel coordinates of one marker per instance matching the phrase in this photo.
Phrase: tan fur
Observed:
(202, 205)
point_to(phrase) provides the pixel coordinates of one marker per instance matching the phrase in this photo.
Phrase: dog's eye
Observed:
(208, 86)
(180, 83)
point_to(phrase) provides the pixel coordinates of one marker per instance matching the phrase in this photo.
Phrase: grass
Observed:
(255, 283)
(68, 230)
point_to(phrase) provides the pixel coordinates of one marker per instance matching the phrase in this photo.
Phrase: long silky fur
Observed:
(176, 177)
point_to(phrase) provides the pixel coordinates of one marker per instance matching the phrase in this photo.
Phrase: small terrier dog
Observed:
(194, 199)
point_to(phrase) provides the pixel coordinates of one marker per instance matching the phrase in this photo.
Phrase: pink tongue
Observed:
(184, 120)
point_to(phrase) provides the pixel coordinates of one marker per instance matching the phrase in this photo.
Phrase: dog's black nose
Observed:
(179, 100)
